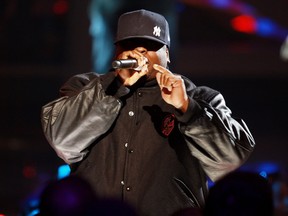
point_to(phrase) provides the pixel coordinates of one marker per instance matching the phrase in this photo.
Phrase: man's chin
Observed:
(151, 75)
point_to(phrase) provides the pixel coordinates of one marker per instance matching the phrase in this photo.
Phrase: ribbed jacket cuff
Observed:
(193, 111)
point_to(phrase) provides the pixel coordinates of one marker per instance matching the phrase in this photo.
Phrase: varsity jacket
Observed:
(131, 145)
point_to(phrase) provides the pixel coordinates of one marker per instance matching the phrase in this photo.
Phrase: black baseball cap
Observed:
(143, 24)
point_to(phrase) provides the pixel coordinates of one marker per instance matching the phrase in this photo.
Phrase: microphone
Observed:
(125, 64)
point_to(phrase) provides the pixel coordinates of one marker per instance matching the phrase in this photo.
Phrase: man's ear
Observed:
(167, 54)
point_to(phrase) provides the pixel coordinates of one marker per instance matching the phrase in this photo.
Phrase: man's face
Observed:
(155, 52)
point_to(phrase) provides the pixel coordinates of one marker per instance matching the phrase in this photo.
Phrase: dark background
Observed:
(44, 42)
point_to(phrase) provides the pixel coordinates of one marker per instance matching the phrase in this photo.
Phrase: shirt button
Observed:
(131, 113)
(130, 151)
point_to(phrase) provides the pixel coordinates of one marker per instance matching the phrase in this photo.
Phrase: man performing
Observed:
(142, 133)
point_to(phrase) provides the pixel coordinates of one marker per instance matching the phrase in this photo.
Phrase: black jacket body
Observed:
(130, 144)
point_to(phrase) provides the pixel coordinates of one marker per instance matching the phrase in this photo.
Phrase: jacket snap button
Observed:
(128, 189)
(131, 113)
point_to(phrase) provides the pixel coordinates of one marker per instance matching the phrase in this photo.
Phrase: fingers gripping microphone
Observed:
(125, 64)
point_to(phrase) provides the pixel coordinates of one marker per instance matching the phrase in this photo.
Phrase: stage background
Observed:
(43, 43)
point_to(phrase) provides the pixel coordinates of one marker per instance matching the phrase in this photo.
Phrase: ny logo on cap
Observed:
(157, 31)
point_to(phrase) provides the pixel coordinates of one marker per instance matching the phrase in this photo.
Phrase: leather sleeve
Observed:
(220, 142)
(71, 123)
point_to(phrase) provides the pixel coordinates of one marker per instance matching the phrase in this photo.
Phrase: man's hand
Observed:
(130, 76)
(172, 87)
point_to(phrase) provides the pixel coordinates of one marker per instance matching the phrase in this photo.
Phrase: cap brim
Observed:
(143, 37)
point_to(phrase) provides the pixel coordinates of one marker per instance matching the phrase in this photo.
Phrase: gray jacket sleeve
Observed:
(220, 142)
(84, 106)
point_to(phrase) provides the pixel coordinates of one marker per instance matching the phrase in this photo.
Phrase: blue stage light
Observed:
(220, 3)
(265, 27)
(63, 171)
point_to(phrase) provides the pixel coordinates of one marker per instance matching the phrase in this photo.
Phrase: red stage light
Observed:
(29, 171)
(244, 23)
(60, 7)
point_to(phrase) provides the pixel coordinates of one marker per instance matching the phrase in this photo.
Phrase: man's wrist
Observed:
(184, 106)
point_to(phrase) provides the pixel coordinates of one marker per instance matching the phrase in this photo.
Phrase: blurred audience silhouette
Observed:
(73, 196)
(68, 196)
(236, 194)
(279, 182)
(240, 194)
